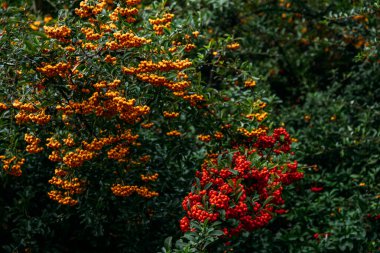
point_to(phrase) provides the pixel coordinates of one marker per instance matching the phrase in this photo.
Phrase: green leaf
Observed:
(168, 243)
(216, 233)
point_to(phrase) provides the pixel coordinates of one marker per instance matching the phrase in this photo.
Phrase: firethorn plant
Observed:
(113, 77)
(242, 191)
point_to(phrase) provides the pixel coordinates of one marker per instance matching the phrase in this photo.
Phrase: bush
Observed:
(321, 60)
(105, 119)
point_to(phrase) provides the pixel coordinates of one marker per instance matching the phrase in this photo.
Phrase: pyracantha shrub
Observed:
(110, 97)
(105, 81)
(102, 77)
(242, 187)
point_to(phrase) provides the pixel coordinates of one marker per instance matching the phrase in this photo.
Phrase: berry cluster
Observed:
(233, 46)
(12, 165)
(91, 34)
(147, 178)
(33, 142)
(86, 10)
(58, 32)
(160, 24)
(128, 13)
(3, 107)
(250, 83)
(170, 115)
(204, 137)
(253, 133)
(127, 190)
(173, 133)
(59, 69)
(242, 195)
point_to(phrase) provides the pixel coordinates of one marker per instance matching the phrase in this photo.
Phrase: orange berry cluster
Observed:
(28, 107)
(160, 24)
(118, 152)
(164, 65)
(110, 59)
(147, 125)
(53, 143)
(128, 136)
(189, 47)
(33, 142)
(107, 28)
(173, 133)
(55, 156)
(178, 86)
(60, 69)
(69, 141)
(233, 46)
(22, 117)
(60, 172)
(145, 158)
(153, 79)
(127, 190)
(35, 25)
(114, 84)
(62, 198)
(3, 107)
(133, 2)
(70, 49)
(109, 104)
(157, 81)
(126, 40)
(252, 133)
(259, 116)
(182, 75)
(124, 12)
(58, 32)
(40, 118)
(77, 158)
(193, 98)
(15, 168)
(196, 34)
(260, 104)
(250, 83)
(98, 144)
(128, 112)
(147, 178)
(204, 137)
(89, 46)
(218, 135)
(90, 34)
(86, 10)
(171, 115)
(72, 186)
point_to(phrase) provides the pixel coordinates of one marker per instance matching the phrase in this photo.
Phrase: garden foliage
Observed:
(123, 123)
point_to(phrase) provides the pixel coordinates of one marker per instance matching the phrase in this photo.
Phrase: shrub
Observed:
(104, 119)
(321, 59)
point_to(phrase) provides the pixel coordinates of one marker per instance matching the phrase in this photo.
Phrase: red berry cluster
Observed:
(243, 196)
(279, 142)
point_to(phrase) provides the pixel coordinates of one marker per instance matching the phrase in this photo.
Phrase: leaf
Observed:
(238, 196)
(216, 233)
(189, 236)
(168, 243)
(269, 199)
(207, 186)
(198, 183)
